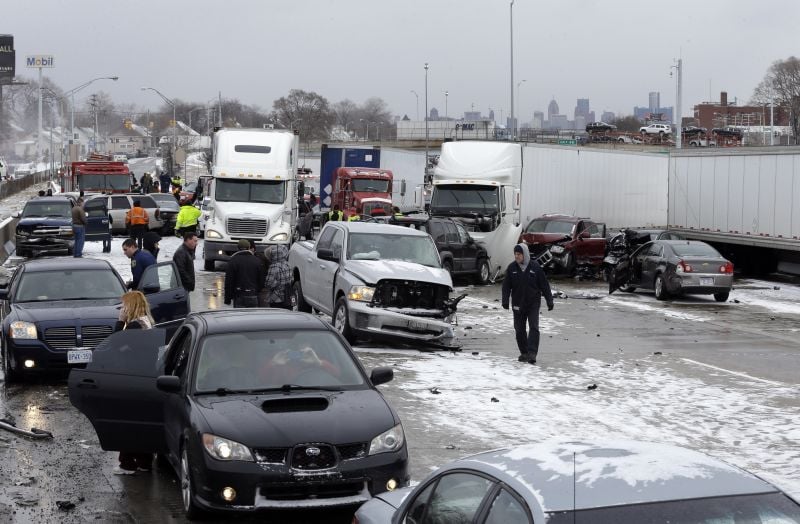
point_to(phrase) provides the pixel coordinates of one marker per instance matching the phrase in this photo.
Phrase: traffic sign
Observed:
(567, 142)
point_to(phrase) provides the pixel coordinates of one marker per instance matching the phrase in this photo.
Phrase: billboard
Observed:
(7, 58)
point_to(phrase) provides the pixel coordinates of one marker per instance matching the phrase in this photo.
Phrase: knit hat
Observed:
(518, 249)
(243, 243)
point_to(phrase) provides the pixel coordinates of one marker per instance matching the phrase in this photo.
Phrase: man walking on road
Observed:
(184, 259)
(244, 277)
(136, 219)
(78, 228)
(525, 283)
(140, 260)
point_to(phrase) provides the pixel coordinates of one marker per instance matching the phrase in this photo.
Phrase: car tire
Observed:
(300, 302)
(9, 372)
(208, 265)
(660, 288)
(190, 508)
(570, 264)
(483, 276)
(721, 297)
(341, 320)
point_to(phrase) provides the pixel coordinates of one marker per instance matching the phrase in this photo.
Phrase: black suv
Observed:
(460, 254)
(45, 226)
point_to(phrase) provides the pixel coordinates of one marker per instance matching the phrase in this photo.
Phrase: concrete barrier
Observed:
(8, 229)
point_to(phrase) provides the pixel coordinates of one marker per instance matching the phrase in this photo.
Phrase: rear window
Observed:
(702, 250)
(146, 201)
(549, 226)
(242, 148)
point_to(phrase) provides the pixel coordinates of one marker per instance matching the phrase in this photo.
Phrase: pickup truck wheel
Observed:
(570, 265)
(208, 265)
(721, 297)
(661, 288)
(299, 301)
(484, 272)
(341, 320)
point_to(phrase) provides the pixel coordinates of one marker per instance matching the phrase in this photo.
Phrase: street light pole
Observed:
(426, 115)
(511, 23)
(174, 124)
(445, 105)
(416, 95)
(679, 87)
(71, 93)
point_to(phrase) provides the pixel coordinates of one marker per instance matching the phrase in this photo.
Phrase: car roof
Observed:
(257, 319)
(611, 473)
(52, 198)
(64, 264)
(380, 228)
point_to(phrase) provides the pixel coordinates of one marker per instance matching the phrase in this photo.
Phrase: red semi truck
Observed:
(362, 188)
(97, 177)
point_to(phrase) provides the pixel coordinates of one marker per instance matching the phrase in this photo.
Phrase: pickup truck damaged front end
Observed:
(405, 309)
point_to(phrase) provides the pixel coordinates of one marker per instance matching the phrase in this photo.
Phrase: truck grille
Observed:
(66, 338)
(410, 294)
(312, 456)
(247, 227)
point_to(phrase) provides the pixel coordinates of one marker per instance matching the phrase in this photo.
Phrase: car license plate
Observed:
(79, 356)
(706, 281)
(556, 249)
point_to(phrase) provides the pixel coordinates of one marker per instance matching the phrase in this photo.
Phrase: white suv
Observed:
(655, 129)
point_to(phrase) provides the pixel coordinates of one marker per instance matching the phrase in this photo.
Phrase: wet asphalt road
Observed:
(629, 344)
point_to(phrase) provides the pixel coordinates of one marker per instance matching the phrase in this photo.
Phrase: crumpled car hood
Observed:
(372, 271)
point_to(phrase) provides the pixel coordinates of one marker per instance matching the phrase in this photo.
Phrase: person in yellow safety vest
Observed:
(354, 216)
(396, 212)
(335, 214)
(176, 181)
(187, 220)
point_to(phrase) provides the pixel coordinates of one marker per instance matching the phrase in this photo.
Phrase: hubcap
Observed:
(340, 321)
(485, 272)
(659, 284)
(186, 488)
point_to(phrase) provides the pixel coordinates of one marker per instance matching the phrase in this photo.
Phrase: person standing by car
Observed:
(184, 259)
(244, 277)
(164, 181)
(150, 243)
(188, 217)
(279, 276)
(525, 284)
(140, 260)
(134, 314)
(137, 219)
(78, 228)
(335, 214)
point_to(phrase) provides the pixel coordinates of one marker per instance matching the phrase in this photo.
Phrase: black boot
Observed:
(523, 357)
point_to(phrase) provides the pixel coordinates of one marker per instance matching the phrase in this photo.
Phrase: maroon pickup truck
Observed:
(572, 241)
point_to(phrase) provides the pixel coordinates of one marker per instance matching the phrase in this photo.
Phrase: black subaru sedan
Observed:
(254, 408)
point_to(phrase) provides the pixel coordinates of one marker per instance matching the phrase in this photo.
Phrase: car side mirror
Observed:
(326, 254)
(584, 235)
(168, 383)
(17, 214)
(4, 291)
(381, 376)
(149, 289)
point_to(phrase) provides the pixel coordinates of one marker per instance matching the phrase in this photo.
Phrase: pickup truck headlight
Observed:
(212, 234)
(225, 449)
(387, 441)
(361, 293)
(280, 237)
(22, 330)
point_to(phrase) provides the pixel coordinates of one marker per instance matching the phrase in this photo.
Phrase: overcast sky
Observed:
(612, 51)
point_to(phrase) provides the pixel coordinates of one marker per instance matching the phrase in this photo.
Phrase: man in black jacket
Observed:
(184, 259)
(525, 283)
(244, 277)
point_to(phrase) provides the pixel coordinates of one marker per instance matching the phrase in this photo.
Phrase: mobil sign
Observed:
(39, 61)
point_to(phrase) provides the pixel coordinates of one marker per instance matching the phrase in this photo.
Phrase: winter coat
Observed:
(244, 276)
(279, 275)
(525, 285)
(187, 216)
(140, 261)
(184, 259)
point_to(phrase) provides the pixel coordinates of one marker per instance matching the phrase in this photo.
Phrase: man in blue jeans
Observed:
(525, 284)
(78, 228)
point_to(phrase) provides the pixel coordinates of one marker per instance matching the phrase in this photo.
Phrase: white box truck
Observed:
(252, 193)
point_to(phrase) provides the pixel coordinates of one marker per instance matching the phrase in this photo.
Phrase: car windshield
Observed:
(79, 284)
(771, 508)
(370, 184)
(121, 182)
(47, 209)
(263, 191)
(259, 360)
(549, 226)
(369, 246)
(460, 198)
(695, 249)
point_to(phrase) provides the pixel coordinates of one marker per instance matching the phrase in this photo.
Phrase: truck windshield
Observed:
(458, 198)
(549, 226)
(47, 209)
(120, 182)
(369, 246)
(370, 184)
(262, 191)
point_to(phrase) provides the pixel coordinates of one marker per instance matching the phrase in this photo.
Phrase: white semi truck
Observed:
(253, 192)
(478, 184)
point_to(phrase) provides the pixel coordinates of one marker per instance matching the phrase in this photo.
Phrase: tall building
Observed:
(538, 120)
(655, 101)
(434, 114)
(552, 109)
(491, 115)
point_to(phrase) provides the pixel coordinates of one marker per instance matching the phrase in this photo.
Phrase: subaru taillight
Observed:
(727, 268)
(683, 267)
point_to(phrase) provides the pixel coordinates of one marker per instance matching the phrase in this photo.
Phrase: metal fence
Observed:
(11, 187)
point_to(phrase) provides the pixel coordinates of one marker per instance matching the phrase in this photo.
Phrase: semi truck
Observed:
(333, 158)
(252, 193)
(362, 189)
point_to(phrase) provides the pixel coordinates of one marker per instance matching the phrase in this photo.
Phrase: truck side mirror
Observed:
(403, 187)
(326, 254)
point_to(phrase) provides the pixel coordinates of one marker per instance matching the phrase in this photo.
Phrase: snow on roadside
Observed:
(755, 425)
(785, 299)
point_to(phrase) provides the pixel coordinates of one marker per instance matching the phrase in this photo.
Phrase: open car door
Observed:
(169, 302)
(97, 222)
(117, 392)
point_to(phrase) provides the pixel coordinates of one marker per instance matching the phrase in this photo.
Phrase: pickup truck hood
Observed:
(542, 238)
(29, 224)
(371, 271)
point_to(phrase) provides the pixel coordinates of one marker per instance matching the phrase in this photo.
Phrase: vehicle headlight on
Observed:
(224, 449)
(22, 330)
(387, 441)
(361, 293)
(280, 237)
(213, 234)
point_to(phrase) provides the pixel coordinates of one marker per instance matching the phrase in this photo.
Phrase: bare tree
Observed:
(345, 112)
(629, 123)
(306, 111)
(781, 86)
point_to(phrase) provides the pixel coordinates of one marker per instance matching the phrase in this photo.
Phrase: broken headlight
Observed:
(361, 293)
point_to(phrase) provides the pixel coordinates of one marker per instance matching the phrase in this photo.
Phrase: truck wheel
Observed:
(341, 320)
(484, 272)
(721, 297)
(208, 265)
(570, 265)
(661, 288)
(299, 301)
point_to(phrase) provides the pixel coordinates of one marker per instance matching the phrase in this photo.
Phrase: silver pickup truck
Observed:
(375, 280)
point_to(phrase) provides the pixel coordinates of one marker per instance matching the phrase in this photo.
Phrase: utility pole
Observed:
(679, 87)
(511, 32)
(220, 109)
(426, 116)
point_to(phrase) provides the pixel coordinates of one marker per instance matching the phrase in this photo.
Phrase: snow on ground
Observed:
(652, 399)
(487, 317)
(785, 299)
(14, 203)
